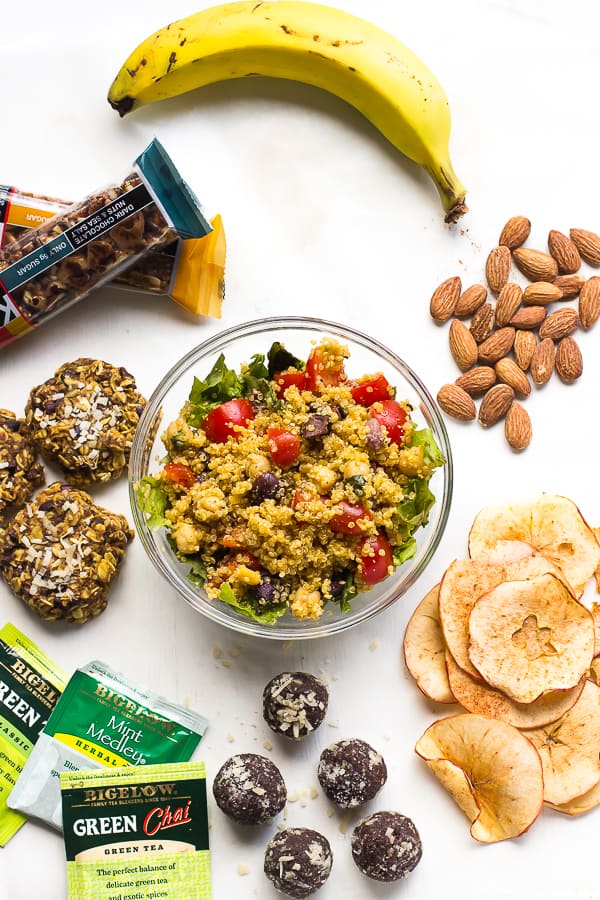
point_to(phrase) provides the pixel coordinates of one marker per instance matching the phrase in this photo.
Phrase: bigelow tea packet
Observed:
(102, 721)
(30, 687)
(137, 833)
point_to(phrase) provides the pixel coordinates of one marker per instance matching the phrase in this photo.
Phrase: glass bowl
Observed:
(239, 343)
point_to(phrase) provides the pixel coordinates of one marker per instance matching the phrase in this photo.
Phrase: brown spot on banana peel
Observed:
(172, 61)
(133, 72)
(287, 29)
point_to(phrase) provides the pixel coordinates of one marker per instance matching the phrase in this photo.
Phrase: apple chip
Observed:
(552, 524)
(478, 697)
(425, 650)
(464, 582)
(491, 771)
(597, 572)
(569, 749)
(594, 674)
(581, 804)
(529, 637)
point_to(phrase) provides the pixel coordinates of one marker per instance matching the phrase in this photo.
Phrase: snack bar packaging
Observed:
(58, 263)
(190, 272)
(139, 833)
(102, 721)
(30, 687)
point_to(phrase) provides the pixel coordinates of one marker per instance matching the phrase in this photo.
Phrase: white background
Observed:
(323, 217)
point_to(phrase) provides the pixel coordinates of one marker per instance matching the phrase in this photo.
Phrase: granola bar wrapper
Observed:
(57, 263)
(191, 272)
(30, 687)
(137, 833)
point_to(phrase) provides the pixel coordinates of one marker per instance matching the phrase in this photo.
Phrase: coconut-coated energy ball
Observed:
(351, 772)
(249, 789)
(298, 861)
(294, 704)
(386, 846)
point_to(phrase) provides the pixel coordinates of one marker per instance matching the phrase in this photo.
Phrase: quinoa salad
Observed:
(292, 485)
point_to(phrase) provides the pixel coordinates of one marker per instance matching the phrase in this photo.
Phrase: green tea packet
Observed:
(30, 687)
(102, 721)
(137, 833)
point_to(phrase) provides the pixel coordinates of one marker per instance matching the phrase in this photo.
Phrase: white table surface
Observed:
(322, 218)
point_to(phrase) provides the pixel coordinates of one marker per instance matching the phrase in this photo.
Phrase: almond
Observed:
(497, 268)
(463, 346)
(559, 324)
(497, 345)
(535, 265)
(523, 348)
(495, 404)
(444, 299)
(456, 402)
(564, 252)
(515, 232)
(517, 427)
(477, 381)
(482, 323)
(509, 373)
(569, 363)
(589, 302)
(540, 293)
(529, 317)
(570, 285)
(588, 244)
(470, 300)
(542, 362)
(509, 300)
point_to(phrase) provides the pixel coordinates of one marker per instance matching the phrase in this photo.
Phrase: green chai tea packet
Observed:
(102, 721)
(137, 833)
(30, 687)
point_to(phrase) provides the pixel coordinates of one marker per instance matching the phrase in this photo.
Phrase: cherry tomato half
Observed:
(348, 517)
(284, 446)
(375, 566)
(370, 390)
(180, 474)
(319, 372)
(284, 380)
(219, 423)
(392, 416)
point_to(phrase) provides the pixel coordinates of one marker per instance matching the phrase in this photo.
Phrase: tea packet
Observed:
(30, 687)
(137, 833)
(103, 720)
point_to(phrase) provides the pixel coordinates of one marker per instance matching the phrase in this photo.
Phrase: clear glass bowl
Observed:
(239, 343)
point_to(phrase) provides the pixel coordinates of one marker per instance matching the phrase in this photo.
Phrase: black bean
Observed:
(316, 426)
(336, 585)
(266, 486)
(269, 590)
(375, 438)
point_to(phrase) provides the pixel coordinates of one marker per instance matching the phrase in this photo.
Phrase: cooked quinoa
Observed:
(298, 495)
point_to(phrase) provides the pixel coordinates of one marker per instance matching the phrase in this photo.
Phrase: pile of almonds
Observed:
(517, 335)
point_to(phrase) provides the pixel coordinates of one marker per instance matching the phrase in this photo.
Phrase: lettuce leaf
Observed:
(431, 452)
(266, 616)
(405, 551)
(153, 501)
(255, 382)
(349, 592)
(221, 384)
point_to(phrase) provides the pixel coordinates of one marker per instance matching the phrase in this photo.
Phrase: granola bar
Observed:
(60, 553)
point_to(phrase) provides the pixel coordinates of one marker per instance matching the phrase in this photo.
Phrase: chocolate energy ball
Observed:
(84, 419)
(60, 553)
(249, 789)
(298, 861)
(19, 470)
(351, 772)
(386, 846)
(294, 704)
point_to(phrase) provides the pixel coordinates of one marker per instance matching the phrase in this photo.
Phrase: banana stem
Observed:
(452, 192)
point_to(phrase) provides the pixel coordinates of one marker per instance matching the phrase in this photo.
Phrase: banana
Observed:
(311, 43)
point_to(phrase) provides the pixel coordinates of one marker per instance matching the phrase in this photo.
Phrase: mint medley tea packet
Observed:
(137, 833)
(102, 721)
(30, 687)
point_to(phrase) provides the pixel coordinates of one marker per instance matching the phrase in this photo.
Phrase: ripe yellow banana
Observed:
(307, 42)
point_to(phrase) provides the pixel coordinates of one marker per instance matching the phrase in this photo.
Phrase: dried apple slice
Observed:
(529, 637)
(425, 650)
(581, 804)
(491, 770)
(594, 674)
(552, 524)
(569, 748)
(481, 698)
(464, 582)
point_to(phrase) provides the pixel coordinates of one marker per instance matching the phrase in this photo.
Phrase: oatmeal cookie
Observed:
(19, 470)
